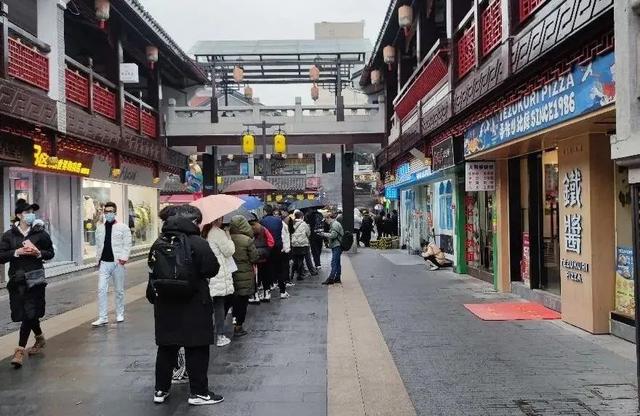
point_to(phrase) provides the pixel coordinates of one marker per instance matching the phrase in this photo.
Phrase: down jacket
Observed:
(245, 256)
(301, 233)
(188, 324)
(25, 303)
(120, 241)
(223, 248)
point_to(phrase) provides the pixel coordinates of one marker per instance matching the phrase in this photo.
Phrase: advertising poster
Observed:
(586, 88)
(624, 281)
(525, 263)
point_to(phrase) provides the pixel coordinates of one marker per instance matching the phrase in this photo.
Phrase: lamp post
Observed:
(264, 125)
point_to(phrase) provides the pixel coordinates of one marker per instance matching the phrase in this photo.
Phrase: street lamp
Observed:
(264, 125)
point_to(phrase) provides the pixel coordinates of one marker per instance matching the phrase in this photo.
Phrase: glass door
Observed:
(550, 279)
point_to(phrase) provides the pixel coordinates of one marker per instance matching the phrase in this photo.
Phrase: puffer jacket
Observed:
(25, 303)
(301, 233)
(245, 256)
(120, 241)
(223, 247)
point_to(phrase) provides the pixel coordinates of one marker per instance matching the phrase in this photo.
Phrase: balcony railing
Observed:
(98, 95)
(24, 56)
(430, 72)
(528, 7)
(466, 51)
(491, 27)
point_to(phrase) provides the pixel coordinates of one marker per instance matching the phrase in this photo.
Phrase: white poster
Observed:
(480, 176)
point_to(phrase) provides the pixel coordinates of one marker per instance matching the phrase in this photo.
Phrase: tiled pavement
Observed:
(455, 364)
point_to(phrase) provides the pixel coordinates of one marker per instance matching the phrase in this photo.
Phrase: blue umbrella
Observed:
(251, 202)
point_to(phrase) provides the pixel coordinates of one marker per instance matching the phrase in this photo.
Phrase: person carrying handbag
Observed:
(25, 246)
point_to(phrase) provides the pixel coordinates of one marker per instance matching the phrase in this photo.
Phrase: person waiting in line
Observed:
(286, 242)
(366, 229)
(246, 257)
(278, 262)
(334, 236)
(434, 257)
(264, 243)
(299, 244)
(221, 285)
(183, 309)
(357, 224)
(113, 245)
(315, 221)
(25, 246)
(380, 224)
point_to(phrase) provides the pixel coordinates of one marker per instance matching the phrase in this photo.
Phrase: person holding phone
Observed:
(25, 246)
(113, 245)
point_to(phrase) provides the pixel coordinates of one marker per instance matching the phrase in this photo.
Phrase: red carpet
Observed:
(511, 311)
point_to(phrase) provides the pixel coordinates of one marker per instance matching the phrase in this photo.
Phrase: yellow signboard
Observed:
(41, 160)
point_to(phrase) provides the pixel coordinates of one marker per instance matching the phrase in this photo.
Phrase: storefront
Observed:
(545, 228)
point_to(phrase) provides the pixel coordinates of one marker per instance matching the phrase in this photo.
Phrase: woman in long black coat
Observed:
(366, 229)
(25, 246)
(189, 323)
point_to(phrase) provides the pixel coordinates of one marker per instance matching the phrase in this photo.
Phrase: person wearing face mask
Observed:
(113, 244)
(25, 246)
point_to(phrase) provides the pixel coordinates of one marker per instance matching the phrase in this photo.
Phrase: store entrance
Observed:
(479, 234)
(535, 224)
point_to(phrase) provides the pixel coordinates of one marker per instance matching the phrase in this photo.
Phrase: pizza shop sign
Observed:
(572, 196)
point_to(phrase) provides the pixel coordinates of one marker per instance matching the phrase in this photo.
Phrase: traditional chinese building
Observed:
(84, 86)
(499, 119)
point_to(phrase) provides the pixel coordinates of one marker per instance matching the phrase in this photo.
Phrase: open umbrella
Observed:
(251, 202)
(217, 206)
(309, 203)
(249, 187)
(240, 211)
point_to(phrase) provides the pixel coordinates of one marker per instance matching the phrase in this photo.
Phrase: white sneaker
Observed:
(290, 284)
(99, 322)
(223, 341)
(267, 296)
(284, 295)
(254, 299)
(120, 318)
(160, 396)
(205, 399)
(233, 321)
(260, 296)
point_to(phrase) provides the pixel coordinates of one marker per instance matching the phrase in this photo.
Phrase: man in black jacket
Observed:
(185, 323)
(316, 222)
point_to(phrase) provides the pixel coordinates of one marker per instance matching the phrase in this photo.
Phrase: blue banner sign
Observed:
(402, 172)
(391, 192)
(585, 89)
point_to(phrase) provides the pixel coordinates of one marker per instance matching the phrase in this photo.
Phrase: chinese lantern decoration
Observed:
(248, 92)
(152, 55)
(376, 77)
(238, 74)
(102, 12)
(280, 143)
(248, 143)
(389, 55)
(405, 18)
(315, 92)
(314, 73)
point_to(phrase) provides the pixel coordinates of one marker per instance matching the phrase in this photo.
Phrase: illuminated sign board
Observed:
(41, 160)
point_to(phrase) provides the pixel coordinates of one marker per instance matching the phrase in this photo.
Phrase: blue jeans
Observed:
(336, 267)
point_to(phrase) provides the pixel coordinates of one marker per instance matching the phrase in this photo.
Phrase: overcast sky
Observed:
(188, 21)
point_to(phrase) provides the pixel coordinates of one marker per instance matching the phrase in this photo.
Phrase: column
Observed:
(587, 240)
(51, 31)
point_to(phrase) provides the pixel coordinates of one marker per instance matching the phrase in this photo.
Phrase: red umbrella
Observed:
(249, 187)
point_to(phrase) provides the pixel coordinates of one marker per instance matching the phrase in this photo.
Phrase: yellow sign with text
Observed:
(42, 160)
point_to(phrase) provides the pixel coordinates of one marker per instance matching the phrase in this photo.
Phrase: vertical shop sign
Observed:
(572, 194)
(525, 263)
(624, 281)
(480, 176)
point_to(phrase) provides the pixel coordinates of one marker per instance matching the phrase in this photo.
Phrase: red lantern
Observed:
(405, 18)
(102, 12)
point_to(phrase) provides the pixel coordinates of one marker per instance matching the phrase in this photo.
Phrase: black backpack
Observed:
(346, 241)
(171, 265)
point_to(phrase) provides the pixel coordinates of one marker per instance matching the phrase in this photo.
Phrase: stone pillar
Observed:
(51, 31)
(587, 242)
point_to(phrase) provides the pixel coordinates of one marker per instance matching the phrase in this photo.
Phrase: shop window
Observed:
(95, 194)
(239, 165)
(445, 200)
(143, 206)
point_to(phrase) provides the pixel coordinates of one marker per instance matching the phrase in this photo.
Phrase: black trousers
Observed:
(298, 265)
(265, 276)
(25, 330)
(316, 249)
(197, 360)
(239, 304)
(307, 260)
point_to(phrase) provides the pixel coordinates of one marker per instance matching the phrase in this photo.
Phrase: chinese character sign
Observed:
(573, 233)
(480, 176)
(573, 188)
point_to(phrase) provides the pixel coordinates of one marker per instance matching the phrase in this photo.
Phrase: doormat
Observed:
(519, 311)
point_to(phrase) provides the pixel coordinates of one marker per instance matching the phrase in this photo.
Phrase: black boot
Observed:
(329, 281)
